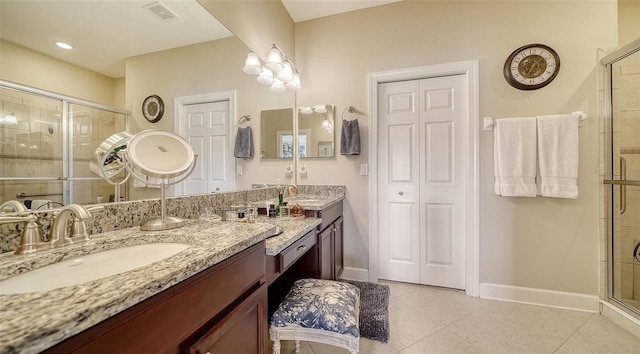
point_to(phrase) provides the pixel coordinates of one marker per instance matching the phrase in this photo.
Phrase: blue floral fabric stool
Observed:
(317, 310)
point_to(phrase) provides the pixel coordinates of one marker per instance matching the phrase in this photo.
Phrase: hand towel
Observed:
(350, 137)
(244, 143)
(515, 157)
(558, 155)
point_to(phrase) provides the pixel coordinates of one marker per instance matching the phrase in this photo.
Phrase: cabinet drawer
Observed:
(295, 251)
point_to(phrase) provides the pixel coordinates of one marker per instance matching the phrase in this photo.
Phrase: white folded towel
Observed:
(515, 157)
(558, 155)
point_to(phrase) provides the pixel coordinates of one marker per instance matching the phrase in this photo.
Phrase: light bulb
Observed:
(306, 110)
(252, 64)
(294, 85)
(266, 77)
(286, 74)
(274, 59)
(278, 86)
(320, 108)
(326, 124)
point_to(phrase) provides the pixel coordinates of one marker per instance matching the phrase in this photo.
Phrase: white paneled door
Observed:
(206, 128)
(422, 171)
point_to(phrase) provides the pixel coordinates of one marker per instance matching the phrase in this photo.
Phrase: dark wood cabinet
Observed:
(221, 308)
(331, 243)
(338, 248)
(325, 244)
(241, 331)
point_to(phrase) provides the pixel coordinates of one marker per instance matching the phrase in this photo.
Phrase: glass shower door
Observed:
(624, 171)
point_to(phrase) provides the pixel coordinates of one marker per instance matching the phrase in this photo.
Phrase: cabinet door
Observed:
(325, 257)
(338, 254)
(243, 330)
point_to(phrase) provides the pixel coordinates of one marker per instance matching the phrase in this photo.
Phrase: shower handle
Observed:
(623, 188)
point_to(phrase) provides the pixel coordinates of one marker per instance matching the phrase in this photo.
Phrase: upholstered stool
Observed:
(317, 310)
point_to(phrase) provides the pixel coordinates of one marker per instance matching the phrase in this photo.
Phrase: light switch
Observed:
(288, 170)
(238, 170)
(303, 170)
(364, 169)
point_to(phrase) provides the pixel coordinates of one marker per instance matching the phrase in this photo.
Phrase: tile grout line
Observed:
(573, 334)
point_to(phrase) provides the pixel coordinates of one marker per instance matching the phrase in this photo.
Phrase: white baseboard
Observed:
(551, 298)
(359, 274)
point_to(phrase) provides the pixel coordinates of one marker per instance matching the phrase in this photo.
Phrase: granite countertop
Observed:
(307, 201)
(30, 323)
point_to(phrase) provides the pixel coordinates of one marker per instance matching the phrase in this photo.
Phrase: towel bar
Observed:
(488, 122)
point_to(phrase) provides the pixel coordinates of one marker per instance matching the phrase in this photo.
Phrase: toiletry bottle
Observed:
(272, 211)
(279, 203)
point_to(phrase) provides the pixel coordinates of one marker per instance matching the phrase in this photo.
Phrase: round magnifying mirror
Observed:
(160, 154)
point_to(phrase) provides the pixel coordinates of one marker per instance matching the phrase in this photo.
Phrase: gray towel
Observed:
(350, 137)
(244, 143)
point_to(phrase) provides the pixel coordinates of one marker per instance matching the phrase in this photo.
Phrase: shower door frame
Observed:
(609, 182)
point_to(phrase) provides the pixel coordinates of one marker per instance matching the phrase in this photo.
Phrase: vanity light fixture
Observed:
(9, 119)
(278, 72)
(64, 45)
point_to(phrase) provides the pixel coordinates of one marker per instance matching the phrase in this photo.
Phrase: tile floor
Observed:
(432, 320)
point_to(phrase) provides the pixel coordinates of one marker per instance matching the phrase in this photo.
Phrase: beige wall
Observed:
(628, 20)
(27, 67)
(530, 242)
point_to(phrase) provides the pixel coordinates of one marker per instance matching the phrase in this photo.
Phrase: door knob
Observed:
(401, 193)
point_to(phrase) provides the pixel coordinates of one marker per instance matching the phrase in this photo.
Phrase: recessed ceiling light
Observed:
(64, 45)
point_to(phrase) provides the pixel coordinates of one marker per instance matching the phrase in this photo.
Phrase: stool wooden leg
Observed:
(276, 346)
(297, 346)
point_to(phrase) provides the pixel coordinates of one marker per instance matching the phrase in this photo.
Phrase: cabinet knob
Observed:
(401, 193)
(301, 248)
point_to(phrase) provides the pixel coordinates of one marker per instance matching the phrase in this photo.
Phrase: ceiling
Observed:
(105, 32)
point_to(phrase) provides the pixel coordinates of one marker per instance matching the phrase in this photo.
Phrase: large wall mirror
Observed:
(204, 67)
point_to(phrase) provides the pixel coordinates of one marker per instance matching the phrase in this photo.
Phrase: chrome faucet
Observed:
(60, 231)
(12, 206)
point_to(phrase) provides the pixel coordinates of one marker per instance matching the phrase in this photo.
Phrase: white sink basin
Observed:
(90, 267)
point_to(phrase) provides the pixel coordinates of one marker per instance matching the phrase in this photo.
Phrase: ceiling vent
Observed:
(160, 11)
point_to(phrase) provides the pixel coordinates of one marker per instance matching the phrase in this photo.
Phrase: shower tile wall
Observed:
(33, 147)
(626, 103)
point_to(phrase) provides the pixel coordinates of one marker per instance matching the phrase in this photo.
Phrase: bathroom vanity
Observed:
(214, 296)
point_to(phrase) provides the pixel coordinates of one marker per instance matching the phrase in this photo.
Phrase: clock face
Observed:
(531, 67)
(153, 108)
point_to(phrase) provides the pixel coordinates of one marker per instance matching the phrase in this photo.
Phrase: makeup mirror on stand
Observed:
(155, 157)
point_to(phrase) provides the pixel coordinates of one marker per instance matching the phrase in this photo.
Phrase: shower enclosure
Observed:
(622, 174)
(47, 142)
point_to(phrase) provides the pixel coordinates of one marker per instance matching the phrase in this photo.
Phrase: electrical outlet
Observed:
(303, 170)
(288, 170)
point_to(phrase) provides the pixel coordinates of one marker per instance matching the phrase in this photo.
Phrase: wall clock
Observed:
(153, 108)
(531, 67)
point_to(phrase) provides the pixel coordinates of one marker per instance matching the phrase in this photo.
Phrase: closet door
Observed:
(421, 181)
(443, 162)
(398, 181)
